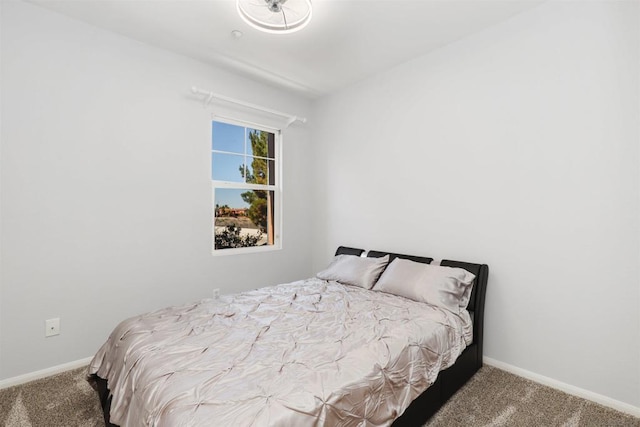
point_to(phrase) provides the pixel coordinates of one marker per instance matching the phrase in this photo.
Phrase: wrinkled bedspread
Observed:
(308, 353)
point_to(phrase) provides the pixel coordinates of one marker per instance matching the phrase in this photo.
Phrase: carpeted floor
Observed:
(65, 399)
(492, 398)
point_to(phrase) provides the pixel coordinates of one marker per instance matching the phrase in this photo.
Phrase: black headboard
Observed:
(345, 250)
(392, 256)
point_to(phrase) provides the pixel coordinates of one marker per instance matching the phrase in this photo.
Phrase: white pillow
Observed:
(446, 287)
(354, 270)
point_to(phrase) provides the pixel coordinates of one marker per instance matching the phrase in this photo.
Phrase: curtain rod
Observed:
(210, 96)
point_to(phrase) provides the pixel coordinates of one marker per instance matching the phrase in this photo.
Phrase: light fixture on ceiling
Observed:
(275, 16)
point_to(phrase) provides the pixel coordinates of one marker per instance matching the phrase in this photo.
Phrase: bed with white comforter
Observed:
(308, 353)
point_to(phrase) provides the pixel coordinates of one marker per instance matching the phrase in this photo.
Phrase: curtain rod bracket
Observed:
(291, 121)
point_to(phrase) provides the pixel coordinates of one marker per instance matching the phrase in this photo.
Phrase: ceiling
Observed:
(346, 41)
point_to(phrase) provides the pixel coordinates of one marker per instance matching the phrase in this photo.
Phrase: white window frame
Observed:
(276, 188)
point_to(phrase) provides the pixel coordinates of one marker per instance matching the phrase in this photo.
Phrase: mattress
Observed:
(307, 353)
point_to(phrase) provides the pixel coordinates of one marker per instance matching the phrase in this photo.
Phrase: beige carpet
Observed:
(65, 400)
(491, 398)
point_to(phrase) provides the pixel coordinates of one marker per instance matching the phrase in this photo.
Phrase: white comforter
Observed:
(309, 353)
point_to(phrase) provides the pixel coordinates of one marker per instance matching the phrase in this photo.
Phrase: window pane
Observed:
(260, 143)
(226, 137)
(261, 171)
(227, 167)
(243, 218)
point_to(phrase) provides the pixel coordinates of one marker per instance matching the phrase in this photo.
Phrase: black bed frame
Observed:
(448, 382)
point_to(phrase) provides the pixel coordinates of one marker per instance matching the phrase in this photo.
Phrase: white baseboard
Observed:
(567, 388)
(31, 376)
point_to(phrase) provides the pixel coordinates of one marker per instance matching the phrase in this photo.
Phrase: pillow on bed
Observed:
(446, 287)
(354, 270)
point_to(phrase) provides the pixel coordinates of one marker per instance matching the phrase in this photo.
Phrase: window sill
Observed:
(242, 251)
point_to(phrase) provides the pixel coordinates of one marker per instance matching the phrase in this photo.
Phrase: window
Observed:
(246, 191)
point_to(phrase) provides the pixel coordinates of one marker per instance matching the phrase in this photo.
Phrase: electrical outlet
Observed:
(216, 293)
(52, 327)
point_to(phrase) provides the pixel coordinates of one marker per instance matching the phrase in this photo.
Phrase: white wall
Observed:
(106, 194)
(516, 147)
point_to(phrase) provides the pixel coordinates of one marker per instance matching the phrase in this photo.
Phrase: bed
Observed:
(313, 352)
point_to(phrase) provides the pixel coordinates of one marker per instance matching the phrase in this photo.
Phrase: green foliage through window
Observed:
(230, 238)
